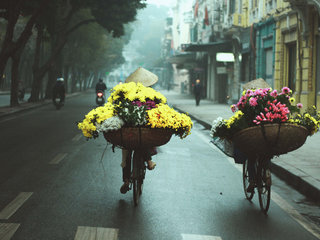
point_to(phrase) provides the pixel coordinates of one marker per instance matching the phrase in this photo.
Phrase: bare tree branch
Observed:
(75, 27)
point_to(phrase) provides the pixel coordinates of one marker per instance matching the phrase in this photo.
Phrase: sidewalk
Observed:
(300, 168)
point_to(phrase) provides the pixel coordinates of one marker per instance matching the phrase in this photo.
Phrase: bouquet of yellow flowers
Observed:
(134, 105)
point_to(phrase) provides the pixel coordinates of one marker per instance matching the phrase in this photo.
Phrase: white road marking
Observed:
(96, 233)
(7, 230)
(309, 226)
(14, 205)
(58, 158)
(199, 237)
(77, 137)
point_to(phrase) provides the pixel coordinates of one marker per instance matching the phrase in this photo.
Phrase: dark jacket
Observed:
(59, 90)
(101, 86)
(197, 89)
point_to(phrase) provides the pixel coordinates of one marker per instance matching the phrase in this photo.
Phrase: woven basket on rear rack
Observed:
(138, 137)
(270, 139)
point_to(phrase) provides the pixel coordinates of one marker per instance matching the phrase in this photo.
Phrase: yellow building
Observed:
(295, 58)
(298, 53)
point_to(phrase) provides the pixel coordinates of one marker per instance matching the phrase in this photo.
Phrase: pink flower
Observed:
(285, 90)
(233, 108)
(274, 93)
(253, 102)
(299, 105)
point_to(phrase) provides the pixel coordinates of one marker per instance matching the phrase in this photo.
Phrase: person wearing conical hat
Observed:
(147, 79)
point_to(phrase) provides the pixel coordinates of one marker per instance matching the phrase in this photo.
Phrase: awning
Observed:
(181, 58)
(222, 46)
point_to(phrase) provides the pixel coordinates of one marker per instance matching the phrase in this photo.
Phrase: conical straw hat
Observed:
(257, 83)
(142, 76)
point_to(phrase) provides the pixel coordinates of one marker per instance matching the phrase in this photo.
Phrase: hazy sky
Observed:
(168, 3)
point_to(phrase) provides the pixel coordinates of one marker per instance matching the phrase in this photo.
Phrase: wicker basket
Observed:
(138, 137)
(270, 139)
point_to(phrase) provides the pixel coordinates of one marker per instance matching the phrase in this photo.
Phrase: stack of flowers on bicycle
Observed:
(265, 106)
(134, 105)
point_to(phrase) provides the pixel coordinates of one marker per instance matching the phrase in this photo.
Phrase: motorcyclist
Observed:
(58, 92)
(101, 86)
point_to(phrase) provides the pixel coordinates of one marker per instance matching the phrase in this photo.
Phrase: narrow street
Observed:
(56, 185)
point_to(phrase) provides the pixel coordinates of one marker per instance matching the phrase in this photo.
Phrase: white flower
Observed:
(110, 124)
(215, 124)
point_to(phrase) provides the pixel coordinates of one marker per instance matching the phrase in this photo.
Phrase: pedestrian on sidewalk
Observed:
(197, 91)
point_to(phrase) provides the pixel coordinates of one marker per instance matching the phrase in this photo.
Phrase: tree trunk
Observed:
(9, 47)
(37, 74)
(15, 79)
(73, 80)
(79, 80)
(66, 77)
(52, 77)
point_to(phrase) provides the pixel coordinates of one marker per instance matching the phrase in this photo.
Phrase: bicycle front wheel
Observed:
(264, 187)
(245, 180)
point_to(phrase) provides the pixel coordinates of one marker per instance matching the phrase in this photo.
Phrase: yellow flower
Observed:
(98, 114)
(292, 100)
(164, 116)
(135, 91)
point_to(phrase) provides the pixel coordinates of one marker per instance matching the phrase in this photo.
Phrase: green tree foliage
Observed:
(55, 17)
(93, 51)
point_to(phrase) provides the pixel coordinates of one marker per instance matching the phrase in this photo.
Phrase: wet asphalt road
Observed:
(195, 190)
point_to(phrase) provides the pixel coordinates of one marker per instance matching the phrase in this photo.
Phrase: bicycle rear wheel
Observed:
(264, 187)
(136, 191)
(138, 176)
(245, 180)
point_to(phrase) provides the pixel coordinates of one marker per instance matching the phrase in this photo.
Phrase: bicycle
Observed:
(262, 180)
(138, 172)
(138, 139)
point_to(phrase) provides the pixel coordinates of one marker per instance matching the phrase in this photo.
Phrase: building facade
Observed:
(278, 41)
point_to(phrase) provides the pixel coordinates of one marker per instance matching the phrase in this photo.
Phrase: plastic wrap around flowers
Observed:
(265, 106)
(134, 105)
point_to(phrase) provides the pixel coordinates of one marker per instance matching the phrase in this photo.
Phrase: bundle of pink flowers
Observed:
(266, 105)
(149, 104)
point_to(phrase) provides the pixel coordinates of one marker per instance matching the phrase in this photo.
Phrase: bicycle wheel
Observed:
(137, 176)
(136, 191)
(264, 187)
(245, 179)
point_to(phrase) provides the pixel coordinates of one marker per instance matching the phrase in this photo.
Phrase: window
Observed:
(232, 6)
(254, 3)
(318, 72)
(292, 69)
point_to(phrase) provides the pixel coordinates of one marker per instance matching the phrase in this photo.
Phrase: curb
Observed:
(291, 179)
(29, 106)
(296, 182)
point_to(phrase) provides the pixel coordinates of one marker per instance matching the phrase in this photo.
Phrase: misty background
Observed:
(144, 47)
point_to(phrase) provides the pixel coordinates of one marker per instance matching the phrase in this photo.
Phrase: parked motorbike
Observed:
(100, 99)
